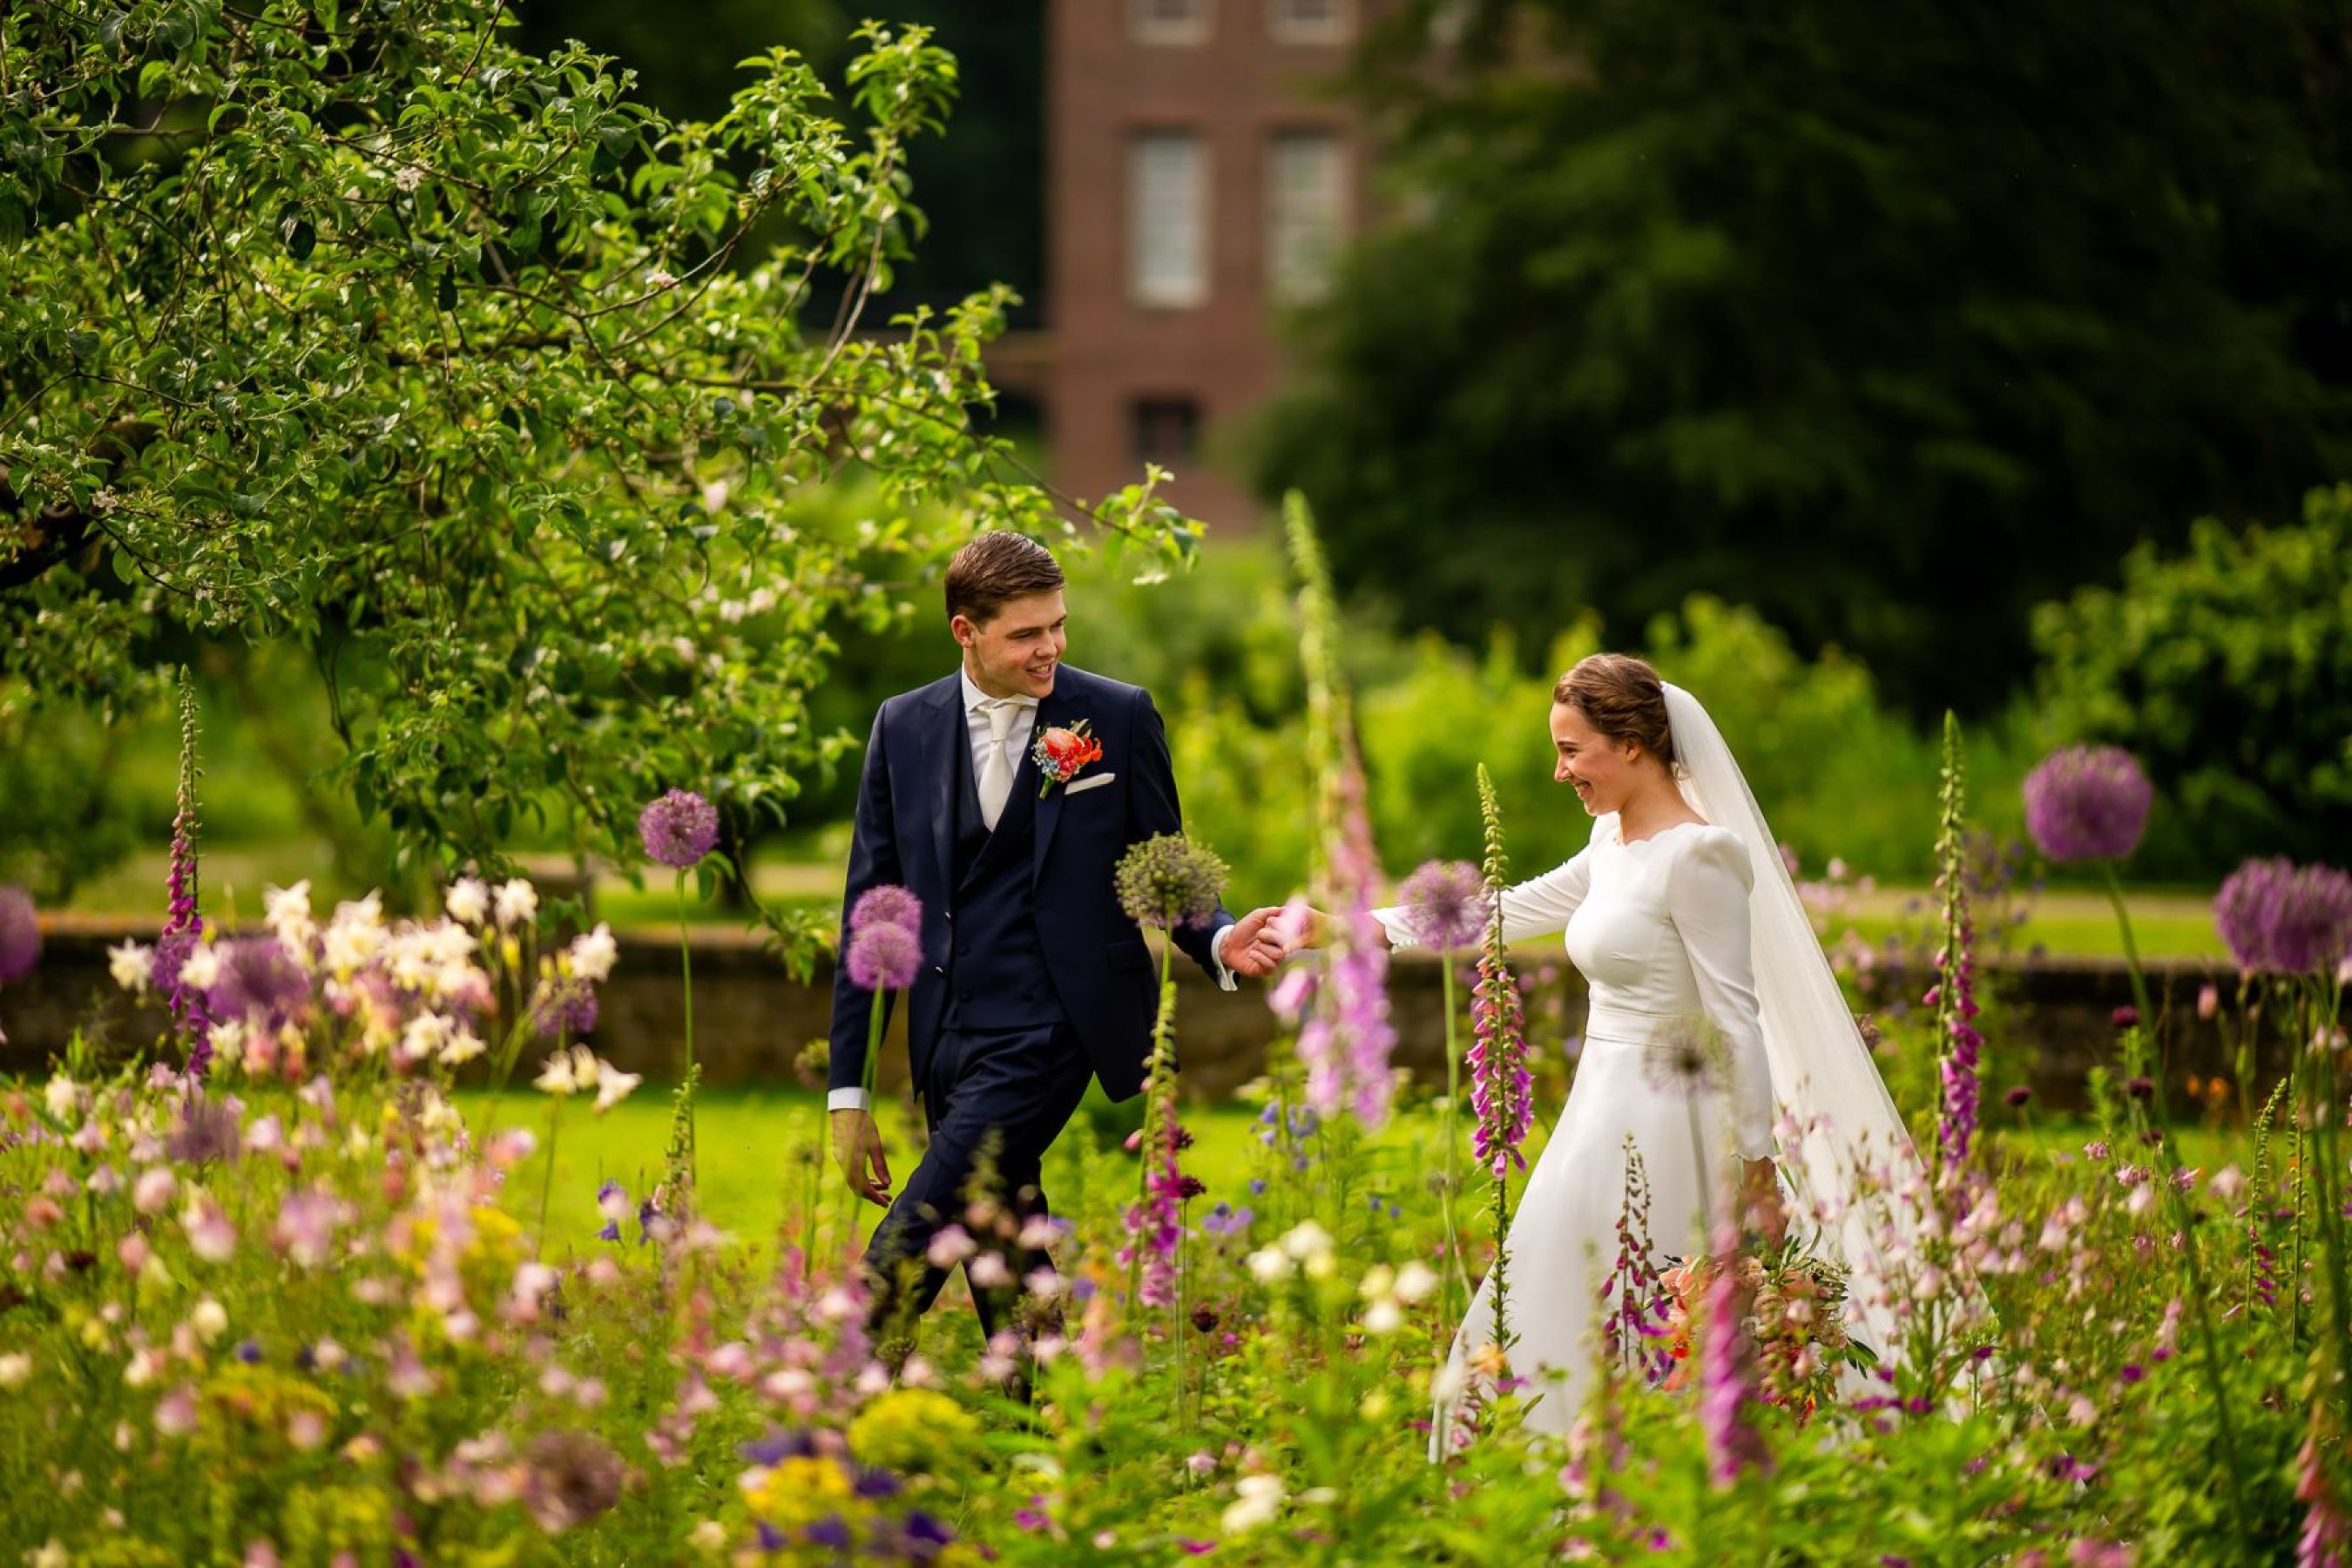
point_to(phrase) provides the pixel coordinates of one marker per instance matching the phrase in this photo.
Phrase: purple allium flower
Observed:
(20, 934)
(884, 958)
(2279, 918)
(2125, 1018)
(679, 828)
(571, 1477)
(2017, 1097)
(2088, 802)
(1446, 905)
(260, 983)
(1169, 880)
(888, 905)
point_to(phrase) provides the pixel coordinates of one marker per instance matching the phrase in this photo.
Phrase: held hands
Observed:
(857, 1144)
(1254, 947)
(1315, 932)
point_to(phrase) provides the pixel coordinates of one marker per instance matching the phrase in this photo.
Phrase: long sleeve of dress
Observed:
(1537, 907)
(1707, 897)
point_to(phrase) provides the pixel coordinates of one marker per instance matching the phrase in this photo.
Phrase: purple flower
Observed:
(2088, 802)
(1727, 1391)
(1500, 1090)
(1169, 880)
(209, 1130)
(1446, 905)
(2017, 1097)
(888, 905)
(679, 828)
(1347, 1043)
(20, 934)
(884, 958)
(564, 1009)
(2279, 918)
(260, 983)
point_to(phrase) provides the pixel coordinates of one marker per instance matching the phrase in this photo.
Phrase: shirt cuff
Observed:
(846, 1100)
(1217, 956)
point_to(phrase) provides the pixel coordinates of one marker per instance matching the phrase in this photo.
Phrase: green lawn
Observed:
(755, 1149)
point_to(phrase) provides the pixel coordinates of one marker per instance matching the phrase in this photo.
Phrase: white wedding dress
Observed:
(1695, 932)
(1659, 929)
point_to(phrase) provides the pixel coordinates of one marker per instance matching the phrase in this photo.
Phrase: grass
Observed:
(756, 1147)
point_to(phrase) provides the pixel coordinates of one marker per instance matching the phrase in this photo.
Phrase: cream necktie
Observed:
(996, 768)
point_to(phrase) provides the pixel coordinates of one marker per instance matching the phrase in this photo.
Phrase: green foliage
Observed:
(2227, 669)
(1889, 326)
(358, 329)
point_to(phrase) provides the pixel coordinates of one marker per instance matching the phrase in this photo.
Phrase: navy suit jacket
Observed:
(1095, 956)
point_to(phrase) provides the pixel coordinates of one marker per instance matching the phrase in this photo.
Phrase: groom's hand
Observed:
(1255, 947)
(857, 1144)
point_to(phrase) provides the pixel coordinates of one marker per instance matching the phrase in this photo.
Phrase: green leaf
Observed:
(153, 75)
(294, 229)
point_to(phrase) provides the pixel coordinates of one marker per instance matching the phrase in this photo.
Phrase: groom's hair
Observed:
(995, 568)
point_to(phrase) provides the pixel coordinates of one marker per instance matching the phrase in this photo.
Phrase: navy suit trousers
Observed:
(1009, 1092)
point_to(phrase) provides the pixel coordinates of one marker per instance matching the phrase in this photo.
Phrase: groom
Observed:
(1032, 979)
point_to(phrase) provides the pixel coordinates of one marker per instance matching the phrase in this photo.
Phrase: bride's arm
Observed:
(1707, 897)
(1536, 907)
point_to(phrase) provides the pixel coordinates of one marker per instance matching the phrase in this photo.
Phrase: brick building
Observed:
(1200, 177)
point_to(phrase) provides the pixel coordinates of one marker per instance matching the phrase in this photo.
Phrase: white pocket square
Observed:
(1085, 784)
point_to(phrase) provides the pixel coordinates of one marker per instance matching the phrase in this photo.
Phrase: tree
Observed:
(2227, 669)
(1891, 322)
(351, 326)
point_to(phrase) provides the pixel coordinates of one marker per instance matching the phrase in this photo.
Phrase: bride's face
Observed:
(1601, 771)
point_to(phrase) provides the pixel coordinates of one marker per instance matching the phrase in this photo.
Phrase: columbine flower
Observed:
(2088, 802)
(20, 934)
(560, 1075)
(516, 903)
(884, 958)
(679, 828)
(468, 901)
(613, 1086)
(286, 912)
(888, 905)
(592, 954)
(2282, 919)
(1168, 881)
(131, 965)
(1446, 905)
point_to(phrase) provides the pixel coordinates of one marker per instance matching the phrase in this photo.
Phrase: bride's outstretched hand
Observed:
(1256, 947)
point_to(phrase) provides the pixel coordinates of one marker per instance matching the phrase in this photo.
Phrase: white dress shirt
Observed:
(1016, 744)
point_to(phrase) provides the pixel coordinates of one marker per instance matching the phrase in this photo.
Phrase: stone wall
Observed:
(751, 1017)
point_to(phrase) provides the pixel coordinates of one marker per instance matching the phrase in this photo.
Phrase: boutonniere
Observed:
(1064, 749)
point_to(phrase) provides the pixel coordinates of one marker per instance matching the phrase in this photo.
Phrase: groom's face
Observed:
(1015, 651)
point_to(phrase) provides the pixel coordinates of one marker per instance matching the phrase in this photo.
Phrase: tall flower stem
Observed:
(547, 1179)
(2138, 984)
(685, 970)
(1457, 1273)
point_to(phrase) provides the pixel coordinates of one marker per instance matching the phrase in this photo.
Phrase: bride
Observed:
(1681, 915)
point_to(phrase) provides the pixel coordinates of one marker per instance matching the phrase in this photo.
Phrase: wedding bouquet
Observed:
(1795, 1317)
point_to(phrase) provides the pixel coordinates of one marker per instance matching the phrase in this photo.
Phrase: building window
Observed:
(1170, 21)
(1164, 430)
(1307, 213)
(1312, 21)
(1167, 219)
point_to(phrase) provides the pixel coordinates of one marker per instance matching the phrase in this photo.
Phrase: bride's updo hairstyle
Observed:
(1622, 697)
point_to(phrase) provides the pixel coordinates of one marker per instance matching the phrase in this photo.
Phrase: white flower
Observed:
(463, 1047)
(708, 1536)
(592, 954)
(1259, 1500)
(1415, 1281)
(2227, 1183)
(1383, 1317)
(227, 1040)
(1307, 1239)
(355, 935)
(425, 1035)
(518, 903)
(209, 1319)
(661, 277)
(1269, 1265)
(1380, 1282)
(408, 177)
(153, 1189)
(988, 1271)
(613, 1085)
(62, 1096)
(14, 1368)
(131, 964)
(202, 970)
(286, 912)
(468, 901)
(557, 1077)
